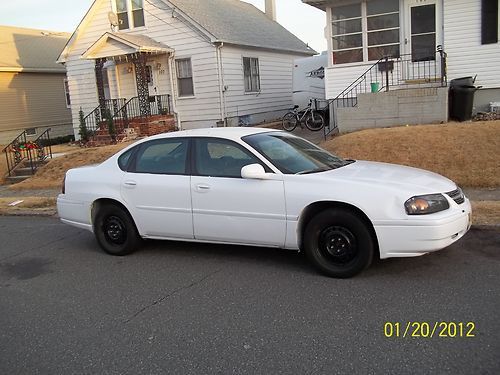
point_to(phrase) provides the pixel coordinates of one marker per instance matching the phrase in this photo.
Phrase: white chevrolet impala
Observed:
(265, 188)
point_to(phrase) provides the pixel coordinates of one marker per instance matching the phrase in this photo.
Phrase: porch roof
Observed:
(321, 4)
(121, 44)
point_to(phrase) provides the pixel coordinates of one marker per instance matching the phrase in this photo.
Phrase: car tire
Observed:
(339, 243)
(115, 231)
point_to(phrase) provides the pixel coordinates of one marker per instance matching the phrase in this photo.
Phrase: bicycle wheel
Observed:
(289, 121)
(315, 121)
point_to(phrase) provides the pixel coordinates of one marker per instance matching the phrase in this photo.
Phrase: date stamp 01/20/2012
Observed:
(430, 329)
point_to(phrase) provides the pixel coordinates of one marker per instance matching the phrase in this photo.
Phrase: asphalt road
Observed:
(66, 307)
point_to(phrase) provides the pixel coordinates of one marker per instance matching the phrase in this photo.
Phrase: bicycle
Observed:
(312, 118)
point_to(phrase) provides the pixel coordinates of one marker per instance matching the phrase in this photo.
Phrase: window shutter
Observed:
(489, 21)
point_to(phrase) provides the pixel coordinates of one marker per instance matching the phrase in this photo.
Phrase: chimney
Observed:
(271, 9)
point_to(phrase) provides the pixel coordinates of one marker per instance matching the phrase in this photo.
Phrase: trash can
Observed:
(461, 98)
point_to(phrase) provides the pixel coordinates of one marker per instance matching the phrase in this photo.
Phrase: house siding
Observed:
(32, 100)
(276, 81)
(172, 32)
(462, 41)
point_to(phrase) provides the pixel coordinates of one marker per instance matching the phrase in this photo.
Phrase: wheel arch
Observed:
(316, 207)
(98, 203)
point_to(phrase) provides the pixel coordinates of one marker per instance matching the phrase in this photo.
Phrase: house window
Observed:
(184, 77)
(130, 13)
(365, 31)
(347, 32)
(489, 21)
(66, 93)
(251, 74)
(382, 21)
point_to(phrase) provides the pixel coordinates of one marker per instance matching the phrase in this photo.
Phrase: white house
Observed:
(431, 41)
(210, 62)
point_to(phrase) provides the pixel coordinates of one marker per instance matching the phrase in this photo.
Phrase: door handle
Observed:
(130, 184)
(202, 188)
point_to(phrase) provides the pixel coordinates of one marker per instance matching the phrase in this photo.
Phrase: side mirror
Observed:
(254, 171)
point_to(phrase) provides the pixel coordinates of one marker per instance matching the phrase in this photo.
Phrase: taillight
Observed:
(63, 189)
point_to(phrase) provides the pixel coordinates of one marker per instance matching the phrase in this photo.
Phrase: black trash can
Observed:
(461, 98)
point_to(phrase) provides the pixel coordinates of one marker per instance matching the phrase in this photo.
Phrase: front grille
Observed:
(457, 196)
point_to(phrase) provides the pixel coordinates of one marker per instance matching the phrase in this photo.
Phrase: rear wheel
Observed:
(115, 231)
(315, 121)
(289, 121)
(338, 243)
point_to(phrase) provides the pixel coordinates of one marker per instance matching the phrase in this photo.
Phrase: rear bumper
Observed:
(423, 236)
(73, 212)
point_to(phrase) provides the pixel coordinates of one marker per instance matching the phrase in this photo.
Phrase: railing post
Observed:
(387, 73)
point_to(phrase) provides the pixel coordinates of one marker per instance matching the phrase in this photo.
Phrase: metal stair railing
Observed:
(33, 152)
(391, 71)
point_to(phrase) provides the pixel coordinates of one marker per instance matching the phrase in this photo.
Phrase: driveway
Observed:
(65, 307)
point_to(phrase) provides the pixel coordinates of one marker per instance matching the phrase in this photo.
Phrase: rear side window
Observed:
(124, 159)
(162, 156)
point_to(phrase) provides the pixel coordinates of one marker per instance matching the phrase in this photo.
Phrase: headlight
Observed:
(426, 204)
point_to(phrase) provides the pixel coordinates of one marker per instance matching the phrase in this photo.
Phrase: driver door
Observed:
(228, 208)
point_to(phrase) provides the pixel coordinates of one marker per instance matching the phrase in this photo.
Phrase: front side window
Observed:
(221, 158)
(184, 77)
(293, 155)
(382, 28)
(365, 31)
(130, 13)
(251, 74)
(347, 34)
(162, 156)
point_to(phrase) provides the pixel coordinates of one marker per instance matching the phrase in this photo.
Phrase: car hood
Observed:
(392, 176)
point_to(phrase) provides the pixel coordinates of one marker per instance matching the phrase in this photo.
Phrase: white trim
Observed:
(67, 92)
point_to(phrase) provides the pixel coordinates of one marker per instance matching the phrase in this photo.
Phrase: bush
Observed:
(83, 131)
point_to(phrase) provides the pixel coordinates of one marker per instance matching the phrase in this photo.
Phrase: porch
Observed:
(133, 80)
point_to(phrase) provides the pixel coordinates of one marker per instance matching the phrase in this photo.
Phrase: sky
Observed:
(304, 21)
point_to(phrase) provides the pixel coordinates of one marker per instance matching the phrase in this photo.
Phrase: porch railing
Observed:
(158, 105)
(94, 119)
(390, 72)
(32, 152)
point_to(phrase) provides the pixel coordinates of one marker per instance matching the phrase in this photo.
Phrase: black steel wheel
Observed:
(315, 121)
(339, 243)
(115, 231)
(289, 121)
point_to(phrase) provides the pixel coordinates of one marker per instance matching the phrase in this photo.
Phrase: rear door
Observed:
(229, 208)
(157, 188)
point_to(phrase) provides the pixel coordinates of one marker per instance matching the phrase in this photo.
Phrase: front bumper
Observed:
(423, 235)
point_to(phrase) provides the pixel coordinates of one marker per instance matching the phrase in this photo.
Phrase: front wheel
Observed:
(339, 243)
(115, 231)
(315, 121)
(289, 121)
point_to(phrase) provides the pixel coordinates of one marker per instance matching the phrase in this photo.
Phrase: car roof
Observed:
(233, 133)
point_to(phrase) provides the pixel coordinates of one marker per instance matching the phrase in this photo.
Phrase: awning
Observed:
(114, 45)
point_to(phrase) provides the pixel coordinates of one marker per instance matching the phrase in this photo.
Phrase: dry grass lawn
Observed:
(467, 153)
(51, 175)
(486, 212)
(32, 204)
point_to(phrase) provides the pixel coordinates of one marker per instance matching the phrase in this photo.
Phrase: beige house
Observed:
(33, 87)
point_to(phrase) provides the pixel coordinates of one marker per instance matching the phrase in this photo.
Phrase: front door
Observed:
(228, 208)
(423, 29)
(422, 36)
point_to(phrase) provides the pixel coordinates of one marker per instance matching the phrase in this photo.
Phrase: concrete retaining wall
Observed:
(393, 108)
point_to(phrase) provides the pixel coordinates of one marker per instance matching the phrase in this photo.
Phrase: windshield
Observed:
(293, 155)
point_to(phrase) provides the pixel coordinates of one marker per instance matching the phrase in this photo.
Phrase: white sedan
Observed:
(263, 187)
